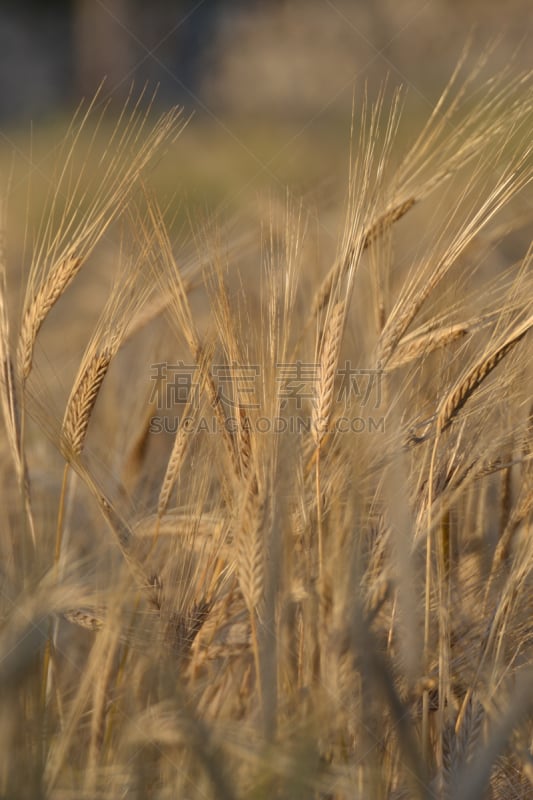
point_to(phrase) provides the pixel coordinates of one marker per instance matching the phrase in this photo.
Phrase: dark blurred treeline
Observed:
(54, 51)
(276, 56)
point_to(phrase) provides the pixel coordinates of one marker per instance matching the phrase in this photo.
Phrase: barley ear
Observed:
(53, 286)
(250, 541)
(465, 388)
(329, 356)
(413, 346)
(81, 402)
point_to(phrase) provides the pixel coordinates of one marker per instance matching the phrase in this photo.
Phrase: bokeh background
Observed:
(268, 87)
(266, 57)
(270, 82)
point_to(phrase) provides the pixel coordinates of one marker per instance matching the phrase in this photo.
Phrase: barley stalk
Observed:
(10, 404)
(172, 283)
(520, 512)
(251, 540)
(244, 443)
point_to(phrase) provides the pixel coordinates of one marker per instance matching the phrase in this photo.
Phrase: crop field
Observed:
(267, 475)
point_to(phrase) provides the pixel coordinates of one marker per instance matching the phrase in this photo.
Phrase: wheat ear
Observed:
(181, 440)
(90, 619)
(124, 302)
(82, 400)
(329, 357)
(464, 389)
(250, 546)
(251, 555)
(414, 346)
(523, 508)
(371, 233)
(74, 431)
(180, 315)
(40, 306)
(330, 349)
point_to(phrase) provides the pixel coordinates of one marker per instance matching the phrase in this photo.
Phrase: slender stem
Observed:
(61, 517)
(27, 517)
(427, 609)
(319, 519)
(255, 647)
(47, 663)
(155, 536)
(322, 649)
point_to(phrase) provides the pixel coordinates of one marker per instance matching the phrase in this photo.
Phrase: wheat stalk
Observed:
(9, 399)
(520, 512)
(10, 405)
(171, 282)
(59, 256)
(251, 539)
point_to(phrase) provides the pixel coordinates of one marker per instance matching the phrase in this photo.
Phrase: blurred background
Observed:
(256, 57)
(243, 67)
(269, 83)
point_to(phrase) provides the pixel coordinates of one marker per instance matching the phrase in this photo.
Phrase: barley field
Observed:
(267, 493)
